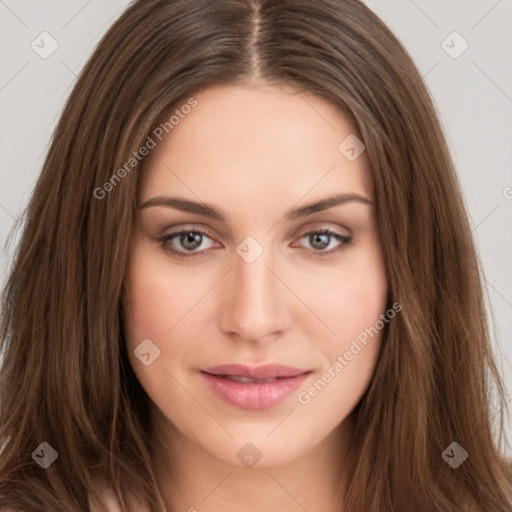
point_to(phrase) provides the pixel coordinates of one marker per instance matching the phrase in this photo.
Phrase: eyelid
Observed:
(311, 227)
(322, 226)
(177, 228)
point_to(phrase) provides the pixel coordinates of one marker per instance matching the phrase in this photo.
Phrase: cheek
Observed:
(352, 310)
(363, 301)
(152, 308)
(352, 298)
(159, 296)
(149, 306)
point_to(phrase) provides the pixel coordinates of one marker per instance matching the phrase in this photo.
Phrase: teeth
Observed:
(239, 378)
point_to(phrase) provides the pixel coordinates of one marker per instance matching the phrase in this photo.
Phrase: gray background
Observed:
(472, 91)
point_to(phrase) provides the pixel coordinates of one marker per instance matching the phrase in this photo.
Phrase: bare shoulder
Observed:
(110, 503)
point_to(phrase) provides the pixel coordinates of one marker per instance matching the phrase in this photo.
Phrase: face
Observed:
(247, 276)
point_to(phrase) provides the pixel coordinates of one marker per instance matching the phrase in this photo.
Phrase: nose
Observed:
(256, 302)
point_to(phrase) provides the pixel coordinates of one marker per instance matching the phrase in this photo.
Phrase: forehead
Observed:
(241, 141)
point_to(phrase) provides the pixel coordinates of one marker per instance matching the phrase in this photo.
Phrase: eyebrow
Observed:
(211, 212)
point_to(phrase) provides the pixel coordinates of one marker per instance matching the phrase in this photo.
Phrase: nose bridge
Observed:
(254, 279)
(255, 304)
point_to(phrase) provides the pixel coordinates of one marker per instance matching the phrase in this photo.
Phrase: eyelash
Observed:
(345, 242)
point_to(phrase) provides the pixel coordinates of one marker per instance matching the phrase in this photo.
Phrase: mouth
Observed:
(263, 372)
(240, 378)
(254, 388)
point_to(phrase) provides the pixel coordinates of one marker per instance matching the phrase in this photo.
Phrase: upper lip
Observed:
(267, 371)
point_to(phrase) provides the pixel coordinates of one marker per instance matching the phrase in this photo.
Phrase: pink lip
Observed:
(254, 395)
(266, 371)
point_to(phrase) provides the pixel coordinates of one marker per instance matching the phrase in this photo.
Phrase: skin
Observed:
(254, 152)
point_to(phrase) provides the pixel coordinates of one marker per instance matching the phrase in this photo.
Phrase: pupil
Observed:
(194, 239)
(322, 238)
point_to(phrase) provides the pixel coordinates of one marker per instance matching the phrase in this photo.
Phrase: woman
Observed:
(247, 279)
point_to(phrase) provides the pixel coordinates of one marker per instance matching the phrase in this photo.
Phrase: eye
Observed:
(190, 241)
(321, 239)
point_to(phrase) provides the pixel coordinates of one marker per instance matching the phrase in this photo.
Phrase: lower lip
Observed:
(253, 395)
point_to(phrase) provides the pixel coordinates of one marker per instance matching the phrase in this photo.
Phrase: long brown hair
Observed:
(65, 377)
